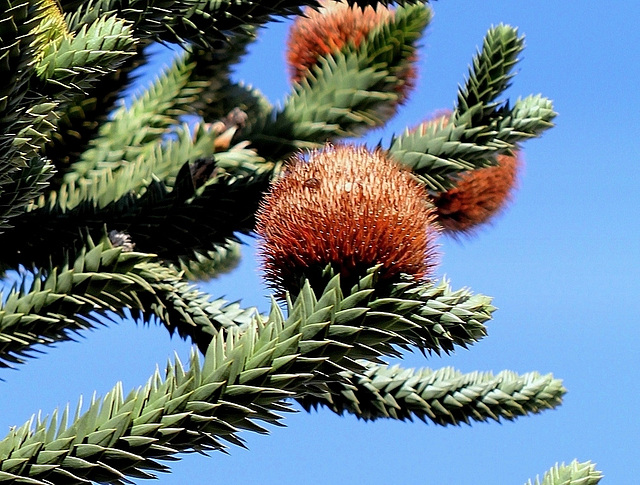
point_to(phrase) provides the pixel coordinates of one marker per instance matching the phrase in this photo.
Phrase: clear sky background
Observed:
(562, 265)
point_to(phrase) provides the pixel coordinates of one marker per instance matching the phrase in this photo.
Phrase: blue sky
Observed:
(562, 265)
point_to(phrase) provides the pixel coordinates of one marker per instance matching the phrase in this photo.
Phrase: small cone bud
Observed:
(349, 208)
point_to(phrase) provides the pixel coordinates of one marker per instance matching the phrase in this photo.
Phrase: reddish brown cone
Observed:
(328, 30)
(332, 28)
(479, 194)
(350, 208)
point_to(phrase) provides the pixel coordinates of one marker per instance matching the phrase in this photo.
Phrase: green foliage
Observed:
(490, 74)
(443, 397)
(95, 50)
(349, 91)
(81, 117)
(61, 300)
(201, 22)
(480, 127)
(25, 119)
(575, 473)
(100, 281)
(133, 130)
(243, 379)
(22, 186)
(166, 182)
(213, 263)
(19, 23)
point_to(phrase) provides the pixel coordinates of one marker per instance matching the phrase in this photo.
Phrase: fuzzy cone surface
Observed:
(329, 30)
(333, 28)
(478, 196)
(349, 208)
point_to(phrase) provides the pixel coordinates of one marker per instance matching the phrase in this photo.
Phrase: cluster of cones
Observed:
(352, 208)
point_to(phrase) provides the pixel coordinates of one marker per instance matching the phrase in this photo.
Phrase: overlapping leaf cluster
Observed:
(109, 207)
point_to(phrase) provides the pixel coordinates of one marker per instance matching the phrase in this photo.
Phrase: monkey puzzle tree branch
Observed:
(348, 92)
(203, 23)
(100, 281)
(132, 130)
(23, 120)
(204, 267)
(455, 318)
(244, 377)
(444, 149)
(81, 117)
(20, 187)
(184, 309)
(480, 128)
(170, 222)
(443, 397)
(55, 306)
(490, 74)
(434, 318)
(575, 473)
(73, 63)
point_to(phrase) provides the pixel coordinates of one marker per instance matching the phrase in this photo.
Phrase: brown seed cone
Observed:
(349, 208)
(328, 30)
(478, 196)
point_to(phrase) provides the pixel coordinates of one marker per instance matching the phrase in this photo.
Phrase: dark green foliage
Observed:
(75, 63)
(135, 130)
(25, 119)
(157, 221)
(244, 377)
(80, 118)
(18, 33)
(200, 22)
